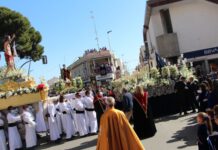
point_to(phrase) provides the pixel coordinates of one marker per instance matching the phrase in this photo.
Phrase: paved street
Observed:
(173, 133)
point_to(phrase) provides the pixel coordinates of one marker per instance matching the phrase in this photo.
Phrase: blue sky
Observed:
(67, 29)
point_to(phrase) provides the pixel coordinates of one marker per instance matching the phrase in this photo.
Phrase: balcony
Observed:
(103, 69)
(168, 45)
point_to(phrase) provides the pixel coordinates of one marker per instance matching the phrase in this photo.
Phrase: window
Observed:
(166, 20)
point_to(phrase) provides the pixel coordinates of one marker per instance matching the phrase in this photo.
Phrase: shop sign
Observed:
(105, 77)
(200, 53)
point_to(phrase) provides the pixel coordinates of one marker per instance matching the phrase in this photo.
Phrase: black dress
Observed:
(213, 142)
(203, 101)
(202, 137)
(182, 96)
(144, 126)
(99, 108)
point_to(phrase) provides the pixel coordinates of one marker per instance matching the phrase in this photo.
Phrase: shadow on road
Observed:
(168, 118)
(187, 134)
(46, 143)
(85, 145)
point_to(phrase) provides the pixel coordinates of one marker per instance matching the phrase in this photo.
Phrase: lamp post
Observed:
(44, 61)
(108, 37)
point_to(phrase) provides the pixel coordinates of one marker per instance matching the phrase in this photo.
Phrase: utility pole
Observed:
(108, 37)
(95, 29)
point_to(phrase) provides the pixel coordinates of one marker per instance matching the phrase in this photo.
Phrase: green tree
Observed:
(27, 38)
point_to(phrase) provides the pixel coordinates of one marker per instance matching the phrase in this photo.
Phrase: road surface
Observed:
(173, 133)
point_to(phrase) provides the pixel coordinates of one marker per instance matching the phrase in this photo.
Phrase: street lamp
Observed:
(44, 61)
(108, 37)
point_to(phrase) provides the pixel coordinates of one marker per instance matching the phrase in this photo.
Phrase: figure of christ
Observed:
(9, 58)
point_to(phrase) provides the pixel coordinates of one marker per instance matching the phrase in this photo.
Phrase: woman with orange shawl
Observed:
(115, 131)
(142, 117)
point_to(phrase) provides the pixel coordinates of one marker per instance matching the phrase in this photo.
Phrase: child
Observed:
(204, 130)
(210, 113)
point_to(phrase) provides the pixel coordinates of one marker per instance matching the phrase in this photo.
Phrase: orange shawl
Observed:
(116, 133)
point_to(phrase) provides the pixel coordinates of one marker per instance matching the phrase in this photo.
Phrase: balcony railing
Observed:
(168, 45)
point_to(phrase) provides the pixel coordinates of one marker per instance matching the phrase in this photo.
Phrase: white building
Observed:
(189, 27)
(97, 67)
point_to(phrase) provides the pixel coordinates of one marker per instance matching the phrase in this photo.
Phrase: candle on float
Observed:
(178, 61)
(183, 62)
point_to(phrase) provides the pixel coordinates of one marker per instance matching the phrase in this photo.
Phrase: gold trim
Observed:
(19, 100)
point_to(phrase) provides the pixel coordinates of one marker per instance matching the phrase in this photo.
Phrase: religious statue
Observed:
(9, 56)
(65, 73)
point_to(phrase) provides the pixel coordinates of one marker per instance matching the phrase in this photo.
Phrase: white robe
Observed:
(91, 119)
(73, 114)
(80, 117)
(58, 119)
(2, 137)
(53, 127)
(13, 134)
(40, 120)
(66, 119)
(30, 128)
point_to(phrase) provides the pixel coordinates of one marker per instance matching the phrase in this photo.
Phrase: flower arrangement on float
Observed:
(66, 87)
(15, 83)
(17, 89)
(157, 82)
(42, 88)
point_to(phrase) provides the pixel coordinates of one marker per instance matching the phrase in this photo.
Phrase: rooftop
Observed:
(155, 3)
(92, 54)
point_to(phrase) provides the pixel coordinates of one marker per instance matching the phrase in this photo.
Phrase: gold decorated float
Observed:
(18, 90)
(12, 85)
(19, 100)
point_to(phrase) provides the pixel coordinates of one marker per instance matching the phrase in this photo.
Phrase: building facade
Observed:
(98, 67)
(187, 27)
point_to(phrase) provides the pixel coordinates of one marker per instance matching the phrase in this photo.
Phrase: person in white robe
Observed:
(40, 120)
(13, 134)
(66, 118)
(3, 145)
(73, 113)
(80, 116)
(91, 118)
(58, 118)
(30, 128)
(52, 122)
(71, 105)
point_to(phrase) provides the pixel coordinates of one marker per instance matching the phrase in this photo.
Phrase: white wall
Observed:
(196, 25)
(194, 21)
(155, 29)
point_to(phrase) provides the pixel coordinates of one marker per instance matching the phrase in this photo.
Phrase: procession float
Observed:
(67, 86)
(18, 39)
(156, 81)
(17, 89)
(159, 83)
